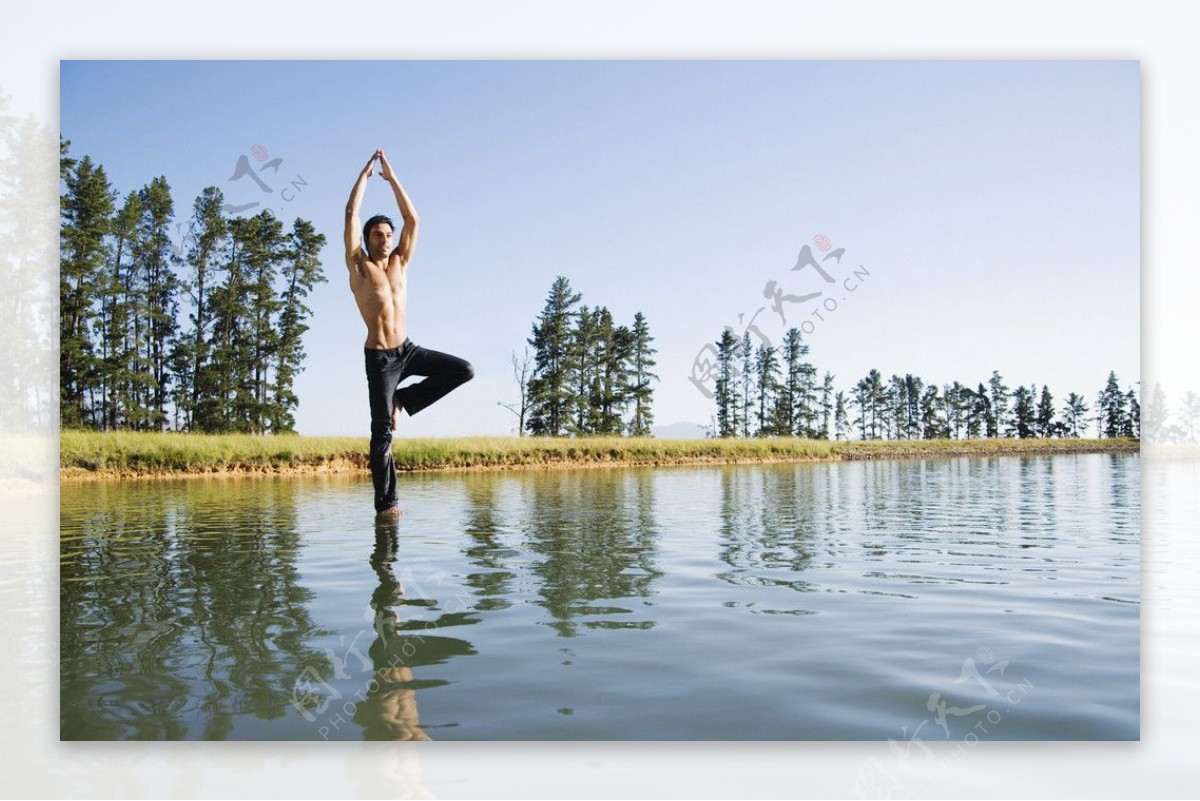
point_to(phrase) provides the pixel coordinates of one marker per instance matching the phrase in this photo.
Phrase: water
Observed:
(916, 600)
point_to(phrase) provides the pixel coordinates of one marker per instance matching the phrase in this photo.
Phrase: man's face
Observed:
(379, 240)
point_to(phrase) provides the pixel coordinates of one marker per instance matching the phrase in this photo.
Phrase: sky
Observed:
(986, 213)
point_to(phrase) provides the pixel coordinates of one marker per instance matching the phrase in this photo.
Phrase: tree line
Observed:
(766, 391)
(587, 375)
(27, 255)
(201, 335)
(1182, 426)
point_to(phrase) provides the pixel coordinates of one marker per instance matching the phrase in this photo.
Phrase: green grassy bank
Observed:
(85, 454)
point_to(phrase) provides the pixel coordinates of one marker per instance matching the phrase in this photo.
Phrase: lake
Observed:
(918, 601)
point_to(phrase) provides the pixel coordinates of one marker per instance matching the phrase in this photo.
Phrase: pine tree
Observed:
(159, 284)
(794, 350)
(1024, 416)
(300, 272)
(583, 358)
(958, 401)
(893, 408)
(226, 402)
(934, 422)
(841, 420)
(612, 374)
(1045, 426)
(766, 372)
(726, 390)
(998, 414)
(827, 407)
(549, 390)
(872, 401)
(1132, 426)
(981, 419)
(1074, 415)
(1111, 409)
(86, 217)
(641, 362)
(209, 249)
(911, 407)
(748, 383)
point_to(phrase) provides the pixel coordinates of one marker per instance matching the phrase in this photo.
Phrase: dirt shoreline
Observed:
(343, 466)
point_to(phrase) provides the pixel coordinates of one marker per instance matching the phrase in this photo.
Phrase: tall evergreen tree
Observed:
(226, 404)
(841, 419)
(827, 407)
(958, 401)
(912, 407)
(125, 376)
(748, 383)
(611, 397)
(549, 389)
(583, 360)
(895, 407)
(1074, 415)
(155, 261)
(209, 249)
(1133, 422)
(871, 398)
(300, 271)
(1023, 422)
(641, 363)
(766, 372)
(726, 390)
(86, 217)
(1111, 409)
(794, 350)
(1045, 426)
(998, 413)
(265, 251)
(934, 421)
(981, 419)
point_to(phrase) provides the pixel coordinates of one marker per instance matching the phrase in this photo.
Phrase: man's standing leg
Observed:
(384, 368)
(443, 373)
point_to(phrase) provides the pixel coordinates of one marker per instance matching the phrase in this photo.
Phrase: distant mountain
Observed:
(679, 431)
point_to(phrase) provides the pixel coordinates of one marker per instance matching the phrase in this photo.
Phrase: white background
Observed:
(35, 36)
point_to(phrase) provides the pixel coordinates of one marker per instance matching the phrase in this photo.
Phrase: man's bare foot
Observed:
(391, 511)
(396, 416)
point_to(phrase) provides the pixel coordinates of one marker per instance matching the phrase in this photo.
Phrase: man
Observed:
(378, 279)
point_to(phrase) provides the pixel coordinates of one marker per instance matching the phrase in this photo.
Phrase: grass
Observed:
(88, 453)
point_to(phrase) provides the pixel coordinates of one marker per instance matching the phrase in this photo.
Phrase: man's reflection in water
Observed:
(389, 711)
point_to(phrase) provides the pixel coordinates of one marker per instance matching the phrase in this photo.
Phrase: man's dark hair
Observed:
(371, 223)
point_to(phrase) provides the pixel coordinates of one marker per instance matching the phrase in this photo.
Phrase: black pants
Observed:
(385, 370)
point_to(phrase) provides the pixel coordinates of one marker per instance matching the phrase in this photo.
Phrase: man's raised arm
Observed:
(408, 234)
(353, 234)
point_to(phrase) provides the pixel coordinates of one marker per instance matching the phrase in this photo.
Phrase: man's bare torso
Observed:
(382, 298)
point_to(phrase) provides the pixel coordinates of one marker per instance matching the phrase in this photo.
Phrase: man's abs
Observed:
(382, 306)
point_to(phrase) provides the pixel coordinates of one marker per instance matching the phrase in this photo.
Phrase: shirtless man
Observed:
(378, 279)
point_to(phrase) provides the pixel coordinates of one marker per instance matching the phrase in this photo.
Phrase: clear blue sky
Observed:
(994, 204)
